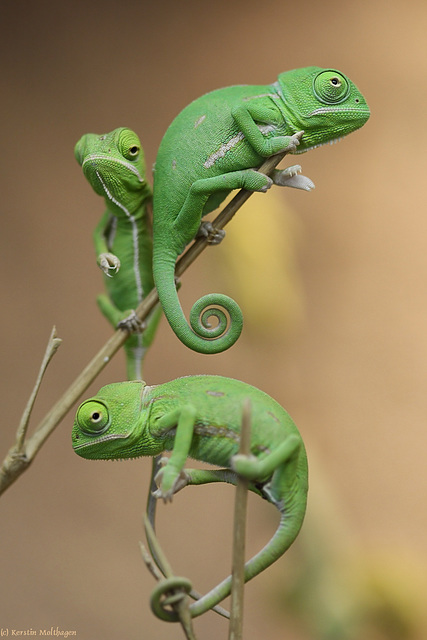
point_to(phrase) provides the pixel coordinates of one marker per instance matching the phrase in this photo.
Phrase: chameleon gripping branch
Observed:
(214, 146)
(114, 165)
(16, 462)
(200, 417)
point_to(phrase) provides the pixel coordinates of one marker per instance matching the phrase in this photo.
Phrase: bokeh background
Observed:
(332, 284)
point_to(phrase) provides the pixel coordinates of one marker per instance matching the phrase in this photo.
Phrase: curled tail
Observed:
(199, 335)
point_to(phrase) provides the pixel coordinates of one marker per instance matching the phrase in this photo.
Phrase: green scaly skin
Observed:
(114, 165)
(200, 417)
(215, 146)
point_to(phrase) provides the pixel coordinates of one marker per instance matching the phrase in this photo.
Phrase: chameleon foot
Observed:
(246, 466)
(294, 142)
(169, 481)
(108, 262)
(132, 323)
(207, 230)
(290, 177)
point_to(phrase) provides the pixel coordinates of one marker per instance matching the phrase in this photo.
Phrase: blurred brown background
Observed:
(345, 349)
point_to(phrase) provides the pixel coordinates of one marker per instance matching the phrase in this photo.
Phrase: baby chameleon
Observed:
(113, 163)
(200, 417)
(215, 145)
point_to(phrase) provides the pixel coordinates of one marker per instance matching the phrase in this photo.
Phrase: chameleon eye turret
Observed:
(331, 87)
(128, 144)
(93, 417)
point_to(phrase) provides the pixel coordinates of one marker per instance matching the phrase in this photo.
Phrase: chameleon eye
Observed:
(133, 151)
(331, 87)
(93, 417)
(129, 144)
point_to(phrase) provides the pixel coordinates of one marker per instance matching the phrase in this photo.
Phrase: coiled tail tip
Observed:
(214, 338)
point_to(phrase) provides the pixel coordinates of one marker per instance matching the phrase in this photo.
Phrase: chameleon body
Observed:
(200, 417)
(114, 165)
(215, 146)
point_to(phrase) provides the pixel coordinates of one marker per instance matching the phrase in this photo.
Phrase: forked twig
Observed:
(153, 561)
(22, 453)
(15, 464)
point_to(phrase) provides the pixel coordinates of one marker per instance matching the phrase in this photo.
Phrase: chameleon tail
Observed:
(199, 335)
(286, 532)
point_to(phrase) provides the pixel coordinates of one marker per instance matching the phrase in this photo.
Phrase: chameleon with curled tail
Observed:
(214, 146)
(200, 417)
(114, 165)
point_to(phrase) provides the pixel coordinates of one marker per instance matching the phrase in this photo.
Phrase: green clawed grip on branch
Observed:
(200, 417)
(217, 144)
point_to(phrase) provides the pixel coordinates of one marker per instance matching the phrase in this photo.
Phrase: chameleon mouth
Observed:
(316, 146)
(96, 160)
(92, 443)
(356, 110)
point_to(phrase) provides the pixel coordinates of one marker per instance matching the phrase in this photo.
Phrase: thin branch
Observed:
(17, 459)
(239, 534)
(15, 463)
(171, 591)
(52, 347)
(153, 562)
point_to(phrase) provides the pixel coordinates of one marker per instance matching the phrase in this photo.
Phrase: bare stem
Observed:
(239, 535)
(52, 347)
(171, 590)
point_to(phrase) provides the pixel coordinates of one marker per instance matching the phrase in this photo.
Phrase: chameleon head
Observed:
(106, 426)
(324, 103)
(113, 163)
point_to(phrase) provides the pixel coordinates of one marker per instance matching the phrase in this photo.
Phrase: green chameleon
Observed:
(114, 165)
(200, 417)
(214, 146)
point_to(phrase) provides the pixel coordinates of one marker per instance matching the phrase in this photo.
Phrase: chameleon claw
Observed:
(208, 231)
(177, 483)
(290, 177)
(132, 323)
(294, 141)
(108, 262)
(267, 186)
(300, 182)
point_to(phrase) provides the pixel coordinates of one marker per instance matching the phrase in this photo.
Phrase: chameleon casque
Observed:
(200, 417)
(214, 146)
(114, 165)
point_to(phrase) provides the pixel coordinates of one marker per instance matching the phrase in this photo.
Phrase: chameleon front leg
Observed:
(183, 420)
(107, 261)
(190, 214)
(248, 117)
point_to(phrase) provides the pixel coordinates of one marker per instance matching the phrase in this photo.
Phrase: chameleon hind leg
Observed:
(141, 333)
(195, 477)
(277, 468)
